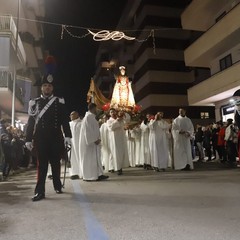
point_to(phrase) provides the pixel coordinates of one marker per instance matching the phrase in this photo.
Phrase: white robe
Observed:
(118, 144)
(105, 149)
(170, 152)
(145, 152)
(158, 143)
(182, 150)
(131, 148)
(75, 127)
(90, 152)
(137, 137)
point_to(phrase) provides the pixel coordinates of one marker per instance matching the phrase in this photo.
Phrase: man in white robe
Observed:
(118, 141)
(75, 170)
(105, 149)
(158, 142)
(131, 147)
(170, 149)
(145, 151)
(182, 131)
(137, 137)
(90, 146)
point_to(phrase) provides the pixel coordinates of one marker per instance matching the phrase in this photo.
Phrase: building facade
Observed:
(18, 25)
(218, 49)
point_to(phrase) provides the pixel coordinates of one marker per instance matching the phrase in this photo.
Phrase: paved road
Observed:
(197, 205)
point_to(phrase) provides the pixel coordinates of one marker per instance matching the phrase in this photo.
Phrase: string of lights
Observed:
(64, 28)
(103, 35)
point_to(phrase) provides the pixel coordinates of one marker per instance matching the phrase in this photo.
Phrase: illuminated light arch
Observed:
(105, 35)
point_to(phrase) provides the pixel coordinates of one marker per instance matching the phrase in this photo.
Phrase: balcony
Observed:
(200, 14)
(216, 88)
(217, 40)
(8, 34)
(6, 91)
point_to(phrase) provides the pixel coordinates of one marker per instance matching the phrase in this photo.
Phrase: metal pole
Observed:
(14, 67)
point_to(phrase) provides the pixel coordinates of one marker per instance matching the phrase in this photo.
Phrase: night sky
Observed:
(76, 57)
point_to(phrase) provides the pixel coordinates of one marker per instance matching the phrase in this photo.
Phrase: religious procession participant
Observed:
(137, 138)
(75, 170)
(131, 146)
(158, 142)
(170, 147)
(105, 148)
(90, 152)
(145, 150)
(118, 141)
(44, 131)
(182, 131)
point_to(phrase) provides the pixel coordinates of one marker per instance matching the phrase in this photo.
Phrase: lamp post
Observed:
(14, 66)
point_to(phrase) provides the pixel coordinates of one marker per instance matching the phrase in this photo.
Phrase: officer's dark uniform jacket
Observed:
(52, 122)
(47, 136)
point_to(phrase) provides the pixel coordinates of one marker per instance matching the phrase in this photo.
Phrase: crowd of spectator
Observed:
(218, 141)
(13, 153)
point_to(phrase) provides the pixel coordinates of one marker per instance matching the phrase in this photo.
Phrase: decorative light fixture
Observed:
(105, 35)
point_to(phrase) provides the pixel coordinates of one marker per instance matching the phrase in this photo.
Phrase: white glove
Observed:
(67, 141)
(29, 146)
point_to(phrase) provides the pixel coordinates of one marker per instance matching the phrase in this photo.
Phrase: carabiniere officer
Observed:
(46, 124)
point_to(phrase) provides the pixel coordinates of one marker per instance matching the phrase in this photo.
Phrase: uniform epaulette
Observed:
(37, 99)
(32, 102)
(61, 100)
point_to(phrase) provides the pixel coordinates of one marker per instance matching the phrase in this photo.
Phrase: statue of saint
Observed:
(122, 97)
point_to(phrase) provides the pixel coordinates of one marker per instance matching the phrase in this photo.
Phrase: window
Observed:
(225, 62)
(204, 115)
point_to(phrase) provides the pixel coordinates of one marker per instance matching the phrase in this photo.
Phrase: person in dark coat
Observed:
(7, 151)
(47, 120)
(199, 143)
(207, 136)
(215, 130)
(221, 142)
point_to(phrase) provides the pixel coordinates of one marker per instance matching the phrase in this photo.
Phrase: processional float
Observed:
(122, 97)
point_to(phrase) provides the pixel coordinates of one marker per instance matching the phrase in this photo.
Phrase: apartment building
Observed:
(156, 66)
(26, 58)
(218, 49)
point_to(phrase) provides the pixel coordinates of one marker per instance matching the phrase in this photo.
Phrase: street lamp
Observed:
(14, 67)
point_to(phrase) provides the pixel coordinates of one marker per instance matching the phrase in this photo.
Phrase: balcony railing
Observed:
(7, 26)
(7, 82)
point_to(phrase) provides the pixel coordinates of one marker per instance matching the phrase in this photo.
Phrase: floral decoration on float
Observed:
(131, 115)
(106, 107)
